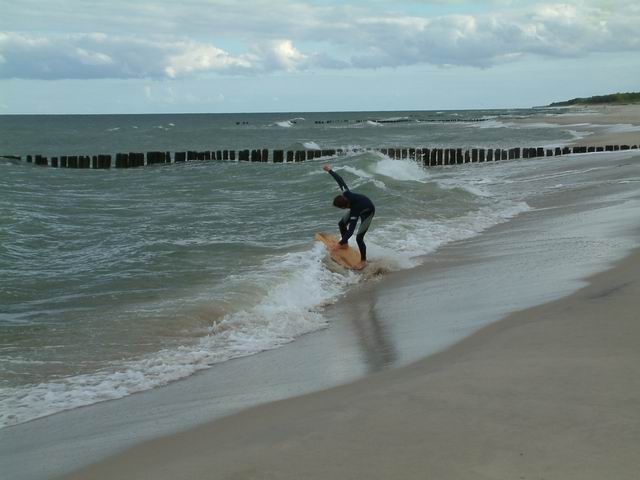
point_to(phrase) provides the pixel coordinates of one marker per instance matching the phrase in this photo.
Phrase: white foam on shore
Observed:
(492, 123)
(585, 128)
(362, 175)
(404, 170)
(407, 242)
(299, 286)
(302, 286)
(404, 243)
(474, 186)
(288, 123)
(578, 131)
(618, 127)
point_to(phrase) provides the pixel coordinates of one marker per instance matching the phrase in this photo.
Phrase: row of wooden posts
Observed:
(390, 120)
(429, 157)
(404, 120)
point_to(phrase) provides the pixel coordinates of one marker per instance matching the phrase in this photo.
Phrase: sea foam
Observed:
(298, 286)
(302, 286)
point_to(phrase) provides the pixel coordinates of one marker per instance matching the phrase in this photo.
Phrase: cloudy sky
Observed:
(117, 56)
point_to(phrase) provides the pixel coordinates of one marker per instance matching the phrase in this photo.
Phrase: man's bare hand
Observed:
(326, 168)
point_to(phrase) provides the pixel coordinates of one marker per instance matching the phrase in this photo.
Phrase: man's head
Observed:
(341, 202)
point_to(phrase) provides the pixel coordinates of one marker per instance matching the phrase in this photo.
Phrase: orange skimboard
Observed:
(348, 257)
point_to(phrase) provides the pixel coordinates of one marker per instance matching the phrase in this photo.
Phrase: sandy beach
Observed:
(174, 180)
(616, 124)
(546, 392)
(549, 392)
(507, 354)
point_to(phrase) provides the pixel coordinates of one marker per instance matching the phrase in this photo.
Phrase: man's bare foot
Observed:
(339, 246)
(361, 265)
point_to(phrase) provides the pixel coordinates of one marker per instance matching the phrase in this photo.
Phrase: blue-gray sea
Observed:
(117, 281)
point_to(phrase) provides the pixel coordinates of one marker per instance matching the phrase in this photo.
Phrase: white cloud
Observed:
(79, 56)
(194, 57)
(92, 58)
(552, 30)
(280, 55)
(104, 56)
(291, 36)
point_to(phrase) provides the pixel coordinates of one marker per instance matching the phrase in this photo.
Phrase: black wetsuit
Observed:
(360, 207)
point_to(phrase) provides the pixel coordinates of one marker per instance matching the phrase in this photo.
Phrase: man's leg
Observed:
(362, 247)
(342, 224)
(364, 226)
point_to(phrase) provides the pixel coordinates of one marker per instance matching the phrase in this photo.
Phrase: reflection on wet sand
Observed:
(378, 351)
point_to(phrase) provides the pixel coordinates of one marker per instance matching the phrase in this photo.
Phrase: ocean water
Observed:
(114, 282)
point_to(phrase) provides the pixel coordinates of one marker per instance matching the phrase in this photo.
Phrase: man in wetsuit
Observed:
(360, 207)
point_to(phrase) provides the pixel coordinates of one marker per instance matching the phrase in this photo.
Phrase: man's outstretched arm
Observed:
(337, 178)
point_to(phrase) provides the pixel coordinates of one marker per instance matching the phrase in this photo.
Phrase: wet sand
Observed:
(546, 392)
(549, 392)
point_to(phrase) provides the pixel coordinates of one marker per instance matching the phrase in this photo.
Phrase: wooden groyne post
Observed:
(427, 156)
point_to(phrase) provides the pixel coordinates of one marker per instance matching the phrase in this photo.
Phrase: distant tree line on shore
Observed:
(629, 97)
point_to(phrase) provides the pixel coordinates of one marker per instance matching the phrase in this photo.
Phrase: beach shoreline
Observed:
(358, 350)
(547, 391)
(544, 391)
(597, 124)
